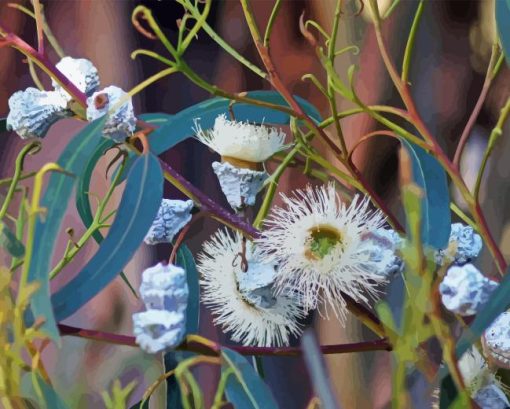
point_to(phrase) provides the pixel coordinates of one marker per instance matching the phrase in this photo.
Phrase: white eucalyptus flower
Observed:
(241, 140)
(464, 290)
(172, 216)
(318, 243)
(32, 112)
(159, 330)
(121, 123)
(245, 306)
(240, 185)
(464, 245)
(81, 72)
(496, 341)
(480, 381)
(165, 287)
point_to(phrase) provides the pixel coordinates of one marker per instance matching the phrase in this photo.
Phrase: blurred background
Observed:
(451, 54)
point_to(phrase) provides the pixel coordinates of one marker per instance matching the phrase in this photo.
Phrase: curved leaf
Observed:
(503, 23)
(176, 128)
(431, 178)
(244, 388)
(73, 159)
(138, 207)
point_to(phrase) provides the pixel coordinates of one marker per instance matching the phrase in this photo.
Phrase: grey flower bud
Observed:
(172, 216)
(81, 72)
(159, 330)
(239, 185)
(496, 341)
(464, 290)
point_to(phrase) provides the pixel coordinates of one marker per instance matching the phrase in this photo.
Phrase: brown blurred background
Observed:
(451, 54)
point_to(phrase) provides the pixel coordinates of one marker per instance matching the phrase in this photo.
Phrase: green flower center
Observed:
(323, 239)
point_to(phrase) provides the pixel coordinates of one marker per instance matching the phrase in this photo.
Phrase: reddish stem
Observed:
(44, 63)
(215, 348)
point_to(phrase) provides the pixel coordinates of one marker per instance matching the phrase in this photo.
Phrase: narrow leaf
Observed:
(9, 242)
(503, 23)
(137, 209)
(317, 371)
(73, 159)
(3, 124)
(244, 388)
(83, 194)
(435, 207)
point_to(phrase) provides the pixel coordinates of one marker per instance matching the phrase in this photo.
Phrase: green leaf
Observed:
(9, 242)
(448, 393)
(137, 209)
(176, 128)
(58, 192)
(36, 389)
(244, 388)
(503, 23)
(3, 124)
(435, 207)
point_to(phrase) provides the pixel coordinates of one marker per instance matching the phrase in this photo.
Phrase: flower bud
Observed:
(32, 112)
(81, 72)
(464, 290)
(496, 341)
(159, 330)
(172, 216)
(121, 123)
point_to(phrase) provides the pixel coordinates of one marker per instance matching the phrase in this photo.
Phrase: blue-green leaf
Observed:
(138, 206)
(73, 159)
(317, 370)
(83, 193)
(503, 23)
(244, 388)
(10, 242)
(3, 124)
(448, 393)
(431, 178)
(42, 393)
(173, 129)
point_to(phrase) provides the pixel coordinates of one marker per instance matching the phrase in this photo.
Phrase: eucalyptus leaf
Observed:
(42, 393)
(9, 242)
(73, 159)
(435, 205)
(137, 209)
(503, 24)
(3, 124)
(244, 388)
(83, 193)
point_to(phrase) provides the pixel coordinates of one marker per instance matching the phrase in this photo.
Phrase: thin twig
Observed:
(215, 348)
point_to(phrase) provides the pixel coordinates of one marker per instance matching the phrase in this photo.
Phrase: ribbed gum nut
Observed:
(165, 287)
(256, 284)
(242, 164)
(172, 216)
(159, 330)
(496, 341)
(240, 185)
(32, 112)
(464, 290)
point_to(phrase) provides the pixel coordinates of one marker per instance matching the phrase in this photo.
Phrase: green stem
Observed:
(270, 23)
(272, 185)
(496, 132)
(32, 217)
(410, 42)
(200, 21)
(31, 148)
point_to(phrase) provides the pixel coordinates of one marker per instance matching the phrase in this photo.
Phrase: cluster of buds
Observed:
(32, 112)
